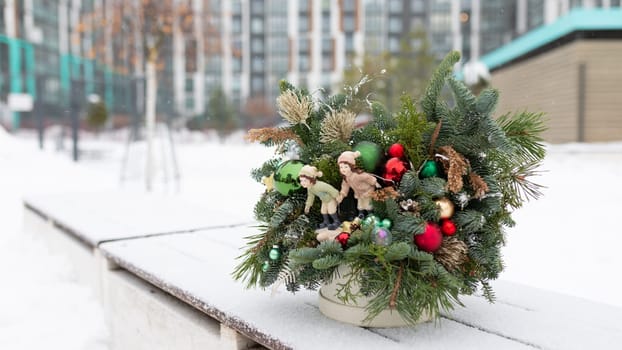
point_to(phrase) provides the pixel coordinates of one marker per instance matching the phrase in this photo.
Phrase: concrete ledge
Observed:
(141, 316)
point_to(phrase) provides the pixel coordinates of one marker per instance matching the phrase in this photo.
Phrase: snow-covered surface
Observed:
(566, 242)
(114, 215)
(293, 320)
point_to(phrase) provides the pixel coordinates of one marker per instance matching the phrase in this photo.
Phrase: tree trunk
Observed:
(150, 119)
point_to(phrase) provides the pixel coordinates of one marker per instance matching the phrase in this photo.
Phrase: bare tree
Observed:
(129, 35)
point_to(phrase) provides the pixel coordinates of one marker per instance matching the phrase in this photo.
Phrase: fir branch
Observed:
(487, 101)
(469, 221)
(327, 262)
(466, 102)
(436, 85)
(397, 251)
(267, 169)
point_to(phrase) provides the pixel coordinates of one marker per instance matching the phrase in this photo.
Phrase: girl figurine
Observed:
(327, 194)
(363, 184)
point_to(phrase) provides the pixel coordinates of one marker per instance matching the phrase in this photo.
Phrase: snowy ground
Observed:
(565, 242)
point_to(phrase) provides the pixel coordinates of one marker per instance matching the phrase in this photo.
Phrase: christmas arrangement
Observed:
(414, 203)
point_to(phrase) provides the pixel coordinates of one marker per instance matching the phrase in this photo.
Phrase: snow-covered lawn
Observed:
(567, 241)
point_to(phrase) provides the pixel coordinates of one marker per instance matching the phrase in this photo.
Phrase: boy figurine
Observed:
(362, 184)
(327, 194)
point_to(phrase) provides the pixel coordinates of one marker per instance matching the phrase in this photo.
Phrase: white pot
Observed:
(354, 312)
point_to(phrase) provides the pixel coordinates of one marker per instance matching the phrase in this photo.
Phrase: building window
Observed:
(303, 63)
(257, 45)
(236, 64)
(279, 45)
(417, 6)
(395, 25)
(326, 22)
(303, 24)
(303, 45)
(394, 44)
(189, 85)
(236, 24)
(327, 45)
(327, 63)
(349, 5)
(257, 85)
(257, 25)
(349, 42)
(257, 6)
(349, 25)
(258, 64)
(395, 6)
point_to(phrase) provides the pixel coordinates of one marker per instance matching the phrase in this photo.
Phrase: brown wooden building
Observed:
(571, 70)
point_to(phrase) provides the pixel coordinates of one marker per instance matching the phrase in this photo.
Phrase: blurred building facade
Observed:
(243, 47)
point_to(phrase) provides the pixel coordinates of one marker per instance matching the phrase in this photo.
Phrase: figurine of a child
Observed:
(328, 195)
(362, 184)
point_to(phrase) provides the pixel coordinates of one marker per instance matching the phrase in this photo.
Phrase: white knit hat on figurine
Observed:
(310, 171)
(348, 157)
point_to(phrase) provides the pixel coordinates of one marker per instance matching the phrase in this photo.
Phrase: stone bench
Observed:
(172, 288)
(76, 224)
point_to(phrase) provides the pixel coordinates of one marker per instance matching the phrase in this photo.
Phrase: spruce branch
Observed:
(436, 84)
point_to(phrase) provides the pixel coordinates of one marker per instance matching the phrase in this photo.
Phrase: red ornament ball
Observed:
(448, 227)
(394, 169)
(396, 150)
(343, 238)
(431, 238)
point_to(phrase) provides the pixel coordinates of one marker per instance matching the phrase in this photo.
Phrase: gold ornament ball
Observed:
(346, 226)
(445, 207)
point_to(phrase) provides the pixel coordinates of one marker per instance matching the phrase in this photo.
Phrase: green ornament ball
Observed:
(286, 177)
(386, 223)
(429, 169)
(275, 253)
(370, 221)
(265, 266)
(370, 155)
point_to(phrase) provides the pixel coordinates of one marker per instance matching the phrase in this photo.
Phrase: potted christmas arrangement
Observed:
(395, 219)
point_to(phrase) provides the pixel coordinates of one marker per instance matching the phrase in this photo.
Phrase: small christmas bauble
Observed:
(265, 266)
(394, 169)
(448, 227)
(386, 223)
(445, 207)
(286, 177)
(370, 221)
(429, 169)
(370, 155)
(382, 236)
(396, 150)
(343, 238)
(275, 252)
(431, 238)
